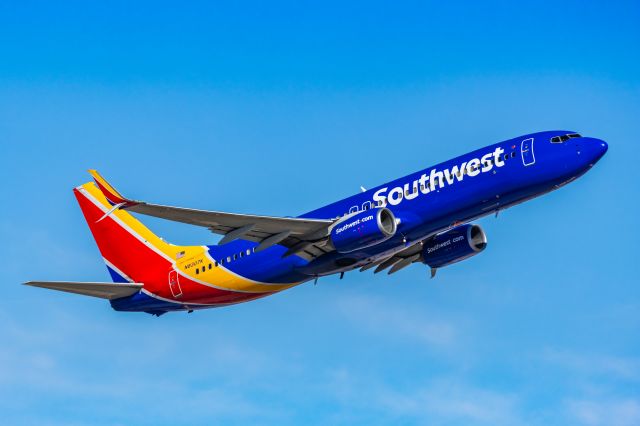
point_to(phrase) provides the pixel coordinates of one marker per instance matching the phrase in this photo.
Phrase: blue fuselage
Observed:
(434, 200)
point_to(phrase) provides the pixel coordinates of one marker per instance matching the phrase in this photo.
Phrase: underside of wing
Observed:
(397, 261)
(108, 291)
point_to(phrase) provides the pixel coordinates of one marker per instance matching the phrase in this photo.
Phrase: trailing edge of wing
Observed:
(287, 231)
(224, 223)
(103, 290)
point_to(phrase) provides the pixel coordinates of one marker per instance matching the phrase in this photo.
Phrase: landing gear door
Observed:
(526, 148)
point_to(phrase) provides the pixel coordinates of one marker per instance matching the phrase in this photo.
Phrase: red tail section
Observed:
(135, 254)
(130, 250)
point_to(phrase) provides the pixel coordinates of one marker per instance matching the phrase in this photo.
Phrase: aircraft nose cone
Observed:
(598, 148)
(592, 149)
(603, 148)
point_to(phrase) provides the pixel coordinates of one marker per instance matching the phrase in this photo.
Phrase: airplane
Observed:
(425, 218)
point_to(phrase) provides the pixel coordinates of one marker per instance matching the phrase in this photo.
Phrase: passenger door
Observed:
(526, 148)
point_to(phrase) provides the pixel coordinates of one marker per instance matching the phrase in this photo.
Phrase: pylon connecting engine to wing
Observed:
(453, 246)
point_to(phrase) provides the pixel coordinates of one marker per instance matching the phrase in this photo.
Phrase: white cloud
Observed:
(443, 401)
(595, 364)
(450, 402)
(36, 363)
(606, 412)
(389, 319)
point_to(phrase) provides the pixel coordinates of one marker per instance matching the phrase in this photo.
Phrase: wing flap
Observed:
(108, 291)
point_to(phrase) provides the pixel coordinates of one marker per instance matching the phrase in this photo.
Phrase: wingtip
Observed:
(107, 189)
(94, 174)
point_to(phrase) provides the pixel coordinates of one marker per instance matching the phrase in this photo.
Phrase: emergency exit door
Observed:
(174, 284)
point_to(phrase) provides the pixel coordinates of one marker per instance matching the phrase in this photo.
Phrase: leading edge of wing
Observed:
(267, 229)
(209, 219)
(108, 291)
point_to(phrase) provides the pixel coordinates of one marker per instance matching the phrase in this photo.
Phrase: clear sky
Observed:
(279, 108)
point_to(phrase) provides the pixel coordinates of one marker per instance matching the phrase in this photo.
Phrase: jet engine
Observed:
(363, 229)
(453, 246)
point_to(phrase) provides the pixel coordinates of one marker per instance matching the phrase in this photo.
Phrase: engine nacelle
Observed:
(453, 246)
(364, 229)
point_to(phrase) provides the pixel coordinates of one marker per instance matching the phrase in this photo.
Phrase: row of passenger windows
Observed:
(563, 138)
(228, 259)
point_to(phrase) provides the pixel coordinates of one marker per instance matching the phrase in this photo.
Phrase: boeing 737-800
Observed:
(422, 218)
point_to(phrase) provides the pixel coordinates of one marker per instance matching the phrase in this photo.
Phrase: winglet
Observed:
(110, 193)
(113, 196)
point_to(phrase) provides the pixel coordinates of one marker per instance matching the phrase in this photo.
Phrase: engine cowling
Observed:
(364, 229)
(453, 246)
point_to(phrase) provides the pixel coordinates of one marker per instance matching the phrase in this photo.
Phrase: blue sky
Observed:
(278, 108)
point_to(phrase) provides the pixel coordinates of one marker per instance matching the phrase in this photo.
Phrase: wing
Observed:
(103, 290)
(397, 261)
(304, 237)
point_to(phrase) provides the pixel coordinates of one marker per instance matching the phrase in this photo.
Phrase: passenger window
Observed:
(209, 266)
(248, 252)
(228, 259)
(197, 271)
(215, 264)
(513, 154)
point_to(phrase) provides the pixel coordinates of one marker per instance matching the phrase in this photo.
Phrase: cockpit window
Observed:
(563, 138)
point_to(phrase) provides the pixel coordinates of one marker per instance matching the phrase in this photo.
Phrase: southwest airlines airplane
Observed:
(420, 218)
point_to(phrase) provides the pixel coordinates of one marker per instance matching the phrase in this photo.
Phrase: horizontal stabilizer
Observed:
(103, 290)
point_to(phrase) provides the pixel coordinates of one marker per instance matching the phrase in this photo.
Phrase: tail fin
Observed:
(131, 251)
